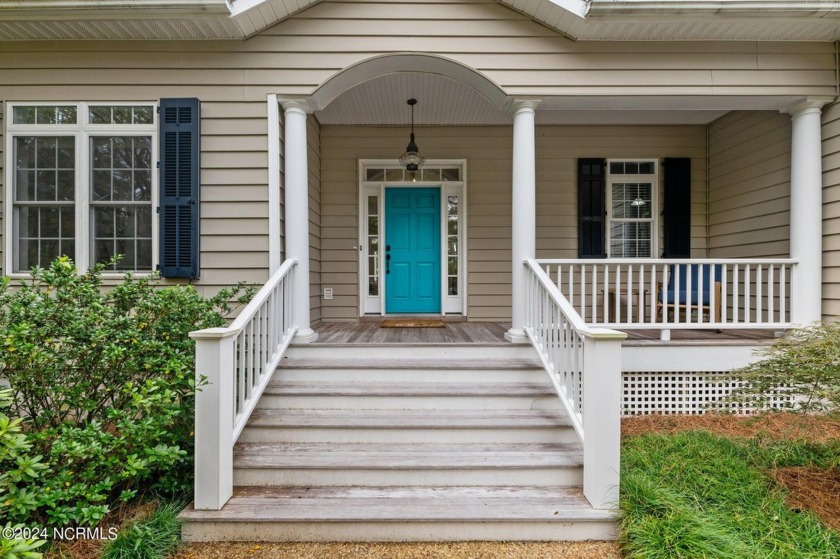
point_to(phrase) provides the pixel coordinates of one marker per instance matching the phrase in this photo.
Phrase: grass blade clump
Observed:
(154, 537)
(695, 495)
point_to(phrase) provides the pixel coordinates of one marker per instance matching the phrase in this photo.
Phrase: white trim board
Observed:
(450, 304)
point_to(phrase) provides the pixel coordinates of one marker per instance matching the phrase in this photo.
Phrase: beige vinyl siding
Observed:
(831, 211)
(313, 138)
(749, 185)
(523, 57)
(234, 193)
(488, 153)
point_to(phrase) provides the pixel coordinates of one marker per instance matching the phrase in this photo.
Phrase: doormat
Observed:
(412, 323)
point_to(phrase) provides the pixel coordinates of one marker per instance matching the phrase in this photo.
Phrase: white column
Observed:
(806, 211)
(273, 112)
(297, 212)
(523, 223)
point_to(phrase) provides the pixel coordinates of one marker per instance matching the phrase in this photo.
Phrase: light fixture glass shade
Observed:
(411, 159)
(638, 202)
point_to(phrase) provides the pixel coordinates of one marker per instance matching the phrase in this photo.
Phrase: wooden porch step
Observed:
(410, 363)
(379, 394)
(409, 388)
(408, 464)
(414, 351)
(400, 513)
(428, 371)
(396, 426)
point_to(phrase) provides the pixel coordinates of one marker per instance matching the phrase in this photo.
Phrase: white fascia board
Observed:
(576, 7)
(752, 8)
(22, 10)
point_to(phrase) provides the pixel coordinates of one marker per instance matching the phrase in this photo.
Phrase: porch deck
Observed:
(492, 333)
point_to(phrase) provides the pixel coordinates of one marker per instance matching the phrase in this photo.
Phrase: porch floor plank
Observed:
(362, 333)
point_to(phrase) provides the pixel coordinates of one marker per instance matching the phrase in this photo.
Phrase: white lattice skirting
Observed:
(680, 393)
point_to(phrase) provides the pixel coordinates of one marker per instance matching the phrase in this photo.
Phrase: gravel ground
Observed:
(454, 550)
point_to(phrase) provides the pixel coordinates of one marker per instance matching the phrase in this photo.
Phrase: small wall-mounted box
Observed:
(328, 293)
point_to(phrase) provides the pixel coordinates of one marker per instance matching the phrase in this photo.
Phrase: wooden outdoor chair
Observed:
(700, 297)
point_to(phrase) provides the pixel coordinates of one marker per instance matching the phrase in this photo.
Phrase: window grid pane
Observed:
(121, 209)
(45, 114)
(44, 234)
(121, 114)
(452, 245)
(630, 239)
(123, 230)
(373, 245)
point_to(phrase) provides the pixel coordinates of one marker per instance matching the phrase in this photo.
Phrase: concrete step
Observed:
(396, 426)
(408, 464)
(383, 394)
(400, 514)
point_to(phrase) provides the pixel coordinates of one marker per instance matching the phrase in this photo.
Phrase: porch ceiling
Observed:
(443, 101)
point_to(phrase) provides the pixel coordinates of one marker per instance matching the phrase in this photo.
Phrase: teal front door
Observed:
(412, 250)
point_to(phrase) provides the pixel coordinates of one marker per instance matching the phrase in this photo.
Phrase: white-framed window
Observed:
(81, 183)
(632, 202)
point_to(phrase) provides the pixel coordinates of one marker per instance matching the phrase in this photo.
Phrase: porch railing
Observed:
(237, 362)
(584, 365)
(678, 293)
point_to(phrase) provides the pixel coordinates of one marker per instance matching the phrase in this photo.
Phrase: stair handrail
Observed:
(237, 362)
(584, 365)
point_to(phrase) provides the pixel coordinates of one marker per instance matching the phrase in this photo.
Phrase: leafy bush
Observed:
(103, 380)
(804, 367)
(19, 471)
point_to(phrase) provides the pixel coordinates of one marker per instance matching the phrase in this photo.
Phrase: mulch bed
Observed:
(812, 489)
(778, 426)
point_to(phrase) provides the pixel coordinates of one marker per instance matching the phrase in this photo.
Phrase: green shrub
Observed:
(103, 380)
(20, 549)
(19, 471)
(804, 367)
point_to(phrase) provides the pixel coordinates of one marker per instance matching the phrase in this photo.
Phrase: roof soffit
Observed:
(605, 20)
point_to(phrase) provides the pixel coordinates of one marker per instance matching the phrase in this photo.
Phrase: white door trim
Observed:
(450, 304)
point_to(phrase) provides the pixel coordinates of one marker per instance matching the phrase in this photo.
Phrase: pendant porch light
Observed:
(411, 159)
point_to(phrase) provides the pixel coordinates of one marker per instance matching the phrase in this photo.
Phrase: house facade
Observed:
(598, 87)
(616, 145)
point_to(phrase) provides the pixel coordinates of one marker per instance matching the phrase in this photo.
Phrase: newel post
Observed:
(214, 418)
(602, 417)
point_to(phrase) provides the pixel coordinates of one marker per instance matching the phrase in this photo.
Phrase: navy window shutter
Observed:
(677, 208)
(591, 208)
(179, 187)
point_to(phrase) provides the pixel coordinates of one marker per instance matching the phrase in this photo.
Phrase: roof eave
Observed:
(26, 10)
(712, 8)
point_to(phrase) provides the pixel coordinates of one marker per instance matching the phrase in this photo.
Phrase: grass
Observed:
(696, 495)
(155, 537)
